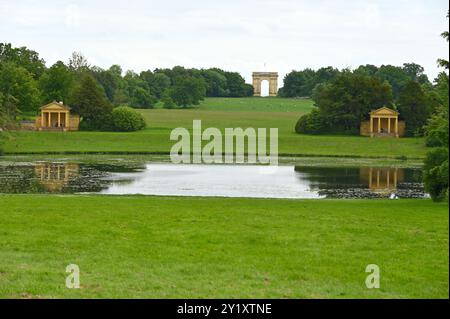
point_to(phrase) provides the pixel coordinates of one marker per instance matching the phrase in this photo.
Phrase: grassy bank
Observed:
(156, 247)
(220, 113)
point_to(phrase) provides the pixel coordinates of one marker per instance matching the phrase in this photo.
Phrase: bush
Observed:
(436, 173)
(311, 123)
(103, 122)
(125, 119)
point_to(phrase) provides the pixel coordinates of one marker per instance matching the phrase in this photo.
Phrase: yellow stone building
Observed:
(383, 122)
(56, 116)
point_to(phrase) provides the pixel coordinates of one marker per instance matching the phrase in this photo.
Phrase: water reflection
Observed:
(382, 180)
(363, 182)
(210, 180)
(54, 177)
(58, 177)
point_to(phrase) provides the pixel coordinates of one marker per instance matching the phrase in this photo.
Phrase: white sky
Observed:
(236, 35)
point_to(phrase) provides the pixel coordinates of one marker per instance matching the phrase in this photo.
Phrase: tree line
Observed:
(303, 83)
(26, 84)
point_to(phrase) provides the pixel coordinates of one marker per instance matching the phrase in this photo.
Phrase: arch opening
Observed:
(264, 88)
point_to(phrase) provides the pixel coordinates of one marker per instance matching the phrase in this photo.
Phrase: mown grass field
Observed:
(258, 104)
(220, 113)
(169, 247)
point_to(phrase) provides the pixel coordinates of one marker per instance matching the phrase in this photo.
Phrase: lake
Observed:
(152, 178)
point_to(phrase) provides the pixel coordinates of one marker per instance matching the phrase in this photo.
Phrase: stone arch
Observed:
(271, 77)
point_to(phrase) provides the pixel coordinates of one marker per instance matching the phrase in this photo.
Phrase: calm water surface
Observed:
(286, 181)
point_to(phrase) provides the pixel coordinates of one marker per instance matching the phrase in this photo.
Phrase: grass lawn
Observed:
(170, 247)
(259, 104)
(220, 113)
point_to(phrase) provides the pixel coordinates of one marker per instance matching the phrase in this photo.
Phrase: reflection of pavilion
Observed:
(55, 176)
(382, 180)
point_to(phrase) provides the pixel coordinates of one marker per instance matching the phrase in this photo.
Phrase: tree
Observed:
(107, 80)
(156, 82)
(23, 57)
(188, 91)
(167, 101)
(443, 62)
(435, 174)
(395, 76)
(415, 73)
(90, 102)
(323, 75)
(56, 83)
(78, 62)
(16, 82)
(8, 110)
(138, 91)
(235, 84)
(368, 69)
(347, 100)
(216, 83)
(142, 99)
(413, 107)
(298, 83)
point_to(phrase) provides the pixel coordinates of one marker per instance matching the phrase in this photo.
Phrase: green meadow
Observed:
(221, 113)
(172, 247)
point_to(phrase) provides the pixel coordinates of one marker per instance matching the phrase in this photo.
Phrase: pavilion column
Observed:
(49, 122)
(371, 126)
(42, 119)
(67, 125)
(395, 178)
(379, 125)
(396, 126)
(378, 178)
(59, 119)
(387, 177)
(389, 125)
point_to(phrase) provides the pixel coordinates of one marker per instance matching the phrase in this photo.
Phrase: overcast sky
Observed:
(236, 35)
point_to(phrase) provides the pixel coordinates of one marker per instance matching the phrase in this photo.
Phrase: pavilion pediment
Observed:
(384, 111)
(55, 106)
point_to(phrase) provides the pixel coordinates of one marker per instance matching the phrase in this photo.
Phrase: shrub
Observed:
(125, 119)
(103, 122)
(436, 173)
(311, 123)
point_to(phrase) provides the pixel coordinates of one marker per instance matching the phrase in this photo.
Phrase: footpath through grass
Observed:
(168, 247)
(220, 113)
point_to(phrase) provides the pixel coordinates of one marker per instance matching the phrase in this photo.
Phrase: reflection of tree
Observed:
(330, 177)
(93, 178)
(19, 180)
(362, 182)
(60, 177)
